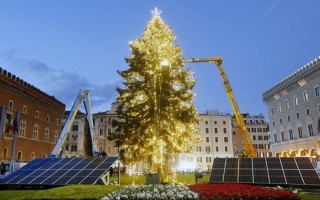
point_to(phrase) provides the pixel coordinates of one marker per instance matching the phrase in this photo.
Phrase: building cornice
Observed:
(23, 89)
(308, 72)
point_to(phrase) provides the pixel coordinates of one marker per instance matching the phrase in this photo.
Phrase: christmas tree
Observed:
(157, 116)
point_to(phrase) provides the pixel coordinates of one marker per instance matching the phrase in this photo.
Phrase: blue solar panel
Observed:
(275, 171)
(62, 171)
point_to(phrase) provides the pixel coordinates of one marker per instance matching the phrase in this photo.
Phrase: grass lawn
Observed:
(98, 191)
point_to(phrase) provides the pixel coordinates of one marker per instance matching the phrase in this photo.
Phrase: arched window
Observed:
(33, 156)
(35, 131)
(19, 156)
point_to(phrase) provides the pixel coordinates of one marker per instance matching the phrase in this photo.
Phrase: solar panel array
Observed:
(62, 171)
(280, 171)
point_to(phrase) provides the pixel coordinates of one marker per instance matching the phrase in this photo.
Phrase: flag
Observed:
(11, 128)
(9, 124)
(15, 124)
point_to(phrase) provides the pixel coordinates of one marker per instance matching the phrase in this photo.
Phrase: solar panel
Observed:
(62, 171)
(268, 171)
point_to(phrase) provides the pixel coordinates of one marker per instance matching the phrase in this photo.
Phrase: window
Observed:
(295, 101)
(24, 110)
(207, 139)
(74, 137)
(73, 148)
(225, 148)
(207, 130)
(198, 149)
(224, 130)
(273, 124)
(19, 156)
(217, 149)
(35, 131)
(310, 129)
(260, 137)
(11, 104)
(254, 137)
(287, 104)
(215, 122)
(300, 132)
(279, 108)
(101, 131)
(46, 134)
(4, 152)
(267, 146)
(282, 135)
(75, 127)
(297, 115)
(316, 91)
(224, 122)
(109, 131)
(305, 96)
(55, 136)
(208, 159)
(272, 112)
(37, 114)
(265, 137)
(101, 119)
(307, 111)
(216, 139)
(288, 118)
(199, 159)
(22, 130)
(261, 146)
(225, 139)
(275, 138)
(290, 134)
(33, 156)
(215, 130)
(280, 121)
(67, 147)
(48, 118)
(208, 149)
(206, 122)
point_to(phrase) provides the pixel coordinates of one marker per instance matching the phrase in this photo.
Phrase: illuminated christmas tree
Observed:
(157, 114)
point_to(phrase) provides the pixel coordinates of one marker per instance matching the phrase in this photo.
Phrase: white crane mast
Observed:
(83, 96)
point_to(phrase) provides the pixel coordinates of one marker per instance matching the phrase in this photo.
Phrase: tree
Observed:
(156, 112)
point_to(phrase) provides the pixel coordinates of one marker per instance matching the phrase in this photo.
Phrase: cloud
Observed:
(61, 84)
(270, 8)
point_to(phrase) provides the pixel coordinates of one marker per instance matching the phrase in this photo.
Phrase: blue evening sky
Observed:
(62, 46)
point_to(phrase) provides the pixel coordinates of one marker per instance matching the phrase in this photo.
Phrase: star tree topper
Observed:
(156, 12)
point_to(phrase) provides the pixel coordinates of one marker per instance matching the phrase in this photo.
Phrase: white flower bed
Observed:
(153, 192)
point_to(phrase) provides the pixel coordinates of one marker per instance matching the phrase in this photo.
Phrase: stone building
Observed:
(75, 144)
(215, 130)
(258, 130)
(39, 125)
(294, 107)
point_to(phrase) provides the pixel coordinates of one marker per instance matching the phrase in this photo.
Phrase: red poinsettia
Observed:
(240, 191)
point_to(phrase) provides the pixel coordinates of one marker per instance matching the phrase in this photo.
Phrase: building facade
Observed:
(215, 130)
(36, 131)
(294, 107)
(78, 136)
(258, 130)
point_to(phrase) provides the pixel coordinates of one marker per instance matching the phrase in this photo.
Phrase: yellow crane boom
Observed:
(249, 148)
